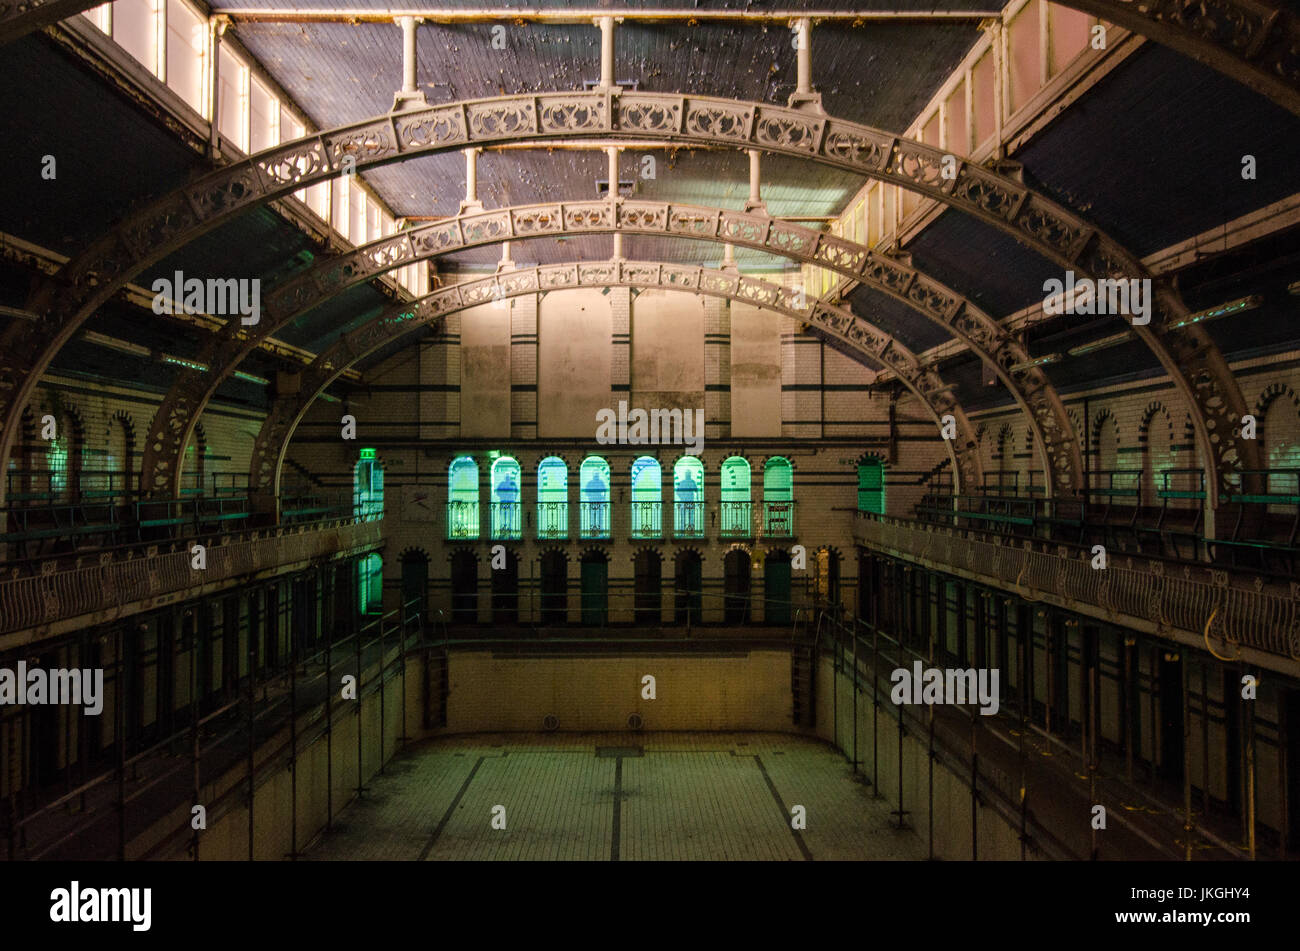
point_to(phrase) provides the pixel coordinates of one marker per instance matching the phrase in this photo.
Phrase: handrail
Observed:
(59, 594)
(1198, 600)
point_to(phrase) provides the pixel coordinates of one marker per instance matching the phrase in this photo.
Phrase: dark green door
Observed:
(690, 580)
(776, 588)
(595, 591)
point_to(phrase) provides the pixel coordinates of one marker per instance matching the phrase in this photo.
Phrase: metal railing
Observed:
(735, 520)
(48, 594)
(1136, 591)
(778, 519)
(229, 736)
(593, 520)
(506, 520)
(688, 519)
(647, 519)
(552, 519)
(462, 520)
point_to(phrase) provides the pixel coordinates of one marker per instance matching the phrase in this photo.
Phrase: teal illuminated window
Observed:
(462, 498)
(370, 584)
(647, 497)
(552, 498)
(871, 486)
(507, 499)
(57, 457)
(778, 497)
(688, 497)
(368, 490)
(734, 506)
(593, 478)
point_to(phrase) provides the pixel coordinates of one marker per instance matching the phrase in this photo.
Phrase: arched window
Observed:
(594, 499)
(552, 498)
(735, 498)
(647, 497)
(507, 499)
(871, 486)
(56, 460)
(778, 498)
(367, 487)
(688, 497)
(462, 498)
(370, 584)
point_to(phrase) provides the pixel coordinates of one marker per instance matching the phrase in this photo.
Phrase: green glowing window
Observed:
(370, 584)
(688, 497)
(593, 477)
(871, 486)
(57, 457)
(647, 480)
(462, 498)
(506, 498)
(778, 496)
(647, 496)
(367, 489)
(734, 507)
(552, 498)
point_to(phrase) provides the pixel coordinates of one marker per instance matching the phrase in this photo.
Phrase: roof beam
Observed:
(867, 341)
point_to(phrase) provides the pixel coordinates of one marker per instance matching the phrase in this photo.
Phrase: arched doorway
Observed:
(464, 587)
(415, 585)
(505, 590)
(735, 569)
(595, 589)
(554, 587)
(689, 607)
(648, 569)
(776, 588)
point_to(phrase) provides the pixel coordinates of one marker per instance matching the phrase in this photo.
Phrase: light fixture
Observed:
(113, 343)
(1222, 310)
(250, 378)
(1036, 362)
(1100, 344)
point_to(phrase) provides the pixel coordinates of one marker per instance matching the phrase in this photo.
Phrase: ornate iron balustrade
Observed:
(462, 520)
(506, 521)
(688, 519)
(778, 519)
(647, 520)
(1201, 602)
(103, 591)
(552, 519)
(735, 520)
(593, 519)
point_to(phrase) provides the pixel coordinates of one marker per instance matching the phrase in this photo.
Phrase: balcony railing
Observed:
(735, 520)
(552, 519)
(688, 519)
(106, 590)
(647, 520)
(778, 519)
(506, 520)
(462, 520)
(593, 519)
(1201, 602)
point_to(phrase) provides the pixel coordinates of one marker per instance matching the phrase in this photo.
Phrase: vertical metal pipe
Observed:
(293, 739)
(194, 722)
(1205, 739)
(803, 29)
(382, 670)
(755, 176)
(408, 25)
(1250, 777)
(471, 176)
(121, 748)
(216, 27)
(974, 790)
(1187, 760)
(252, 675)
(606, 25)
(875, 709)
